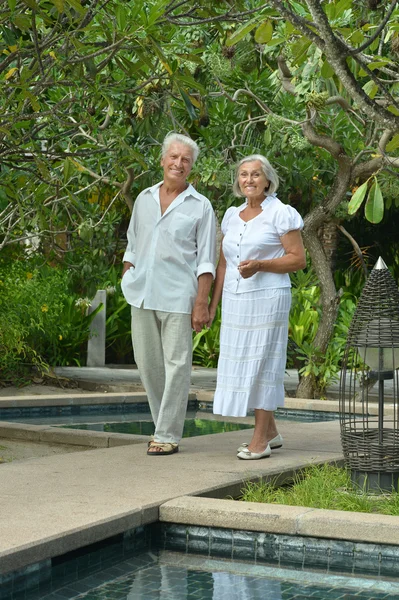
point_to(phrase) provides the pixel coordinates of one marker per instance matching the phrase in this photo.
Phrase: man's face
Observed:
(177, 162)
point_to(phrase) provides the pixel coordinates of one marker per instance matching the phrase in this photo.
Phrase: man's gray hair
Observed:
(267, 169)
(172, 138)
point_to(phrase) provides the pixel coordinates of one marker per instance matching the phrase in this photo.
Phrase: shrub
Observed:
(40, 323)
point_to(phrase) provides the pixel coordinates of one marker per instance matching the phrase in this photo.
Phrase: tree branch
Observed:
(377, 32)
(356, 248)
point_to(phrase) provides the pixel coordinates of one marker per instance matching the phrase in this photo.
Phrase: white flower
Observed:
(82, 303)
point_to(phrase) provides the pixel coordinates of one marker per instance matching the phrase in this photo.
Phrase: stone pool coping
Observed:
(204, 397)
(47, 434)
(281, 519)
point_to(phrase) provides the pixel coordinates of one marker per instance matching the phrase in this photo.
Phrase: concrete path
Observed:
(51, 505)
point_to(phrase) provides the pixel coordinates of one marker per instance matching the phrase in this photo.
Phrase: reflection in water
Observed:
(227, 586)
(167, 583)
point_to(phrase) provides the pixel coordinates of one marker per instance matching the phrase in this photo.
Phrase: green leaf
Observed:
(357, 37)
(23, 22)
(161, 56)
(59, 4)
(374, 209)
(68, 168)
(299, 9)
(370, 88)
(12, 4)
(374, 65)
(343, 5)
(90, 66)
(393, 144)
(121, 16)
(240, 33)
(187, 102)
(299, 51)
(77, 6)
(326, 70)
(156, 11)
(8, 36)
(267, 136)
(264, 33)
(357, 198)
(31, 3)
(276, 41)
(190, 81)
(32, 99)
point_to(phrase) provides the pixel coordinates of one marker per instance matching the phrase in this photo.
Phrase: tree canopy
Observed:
(90, 88)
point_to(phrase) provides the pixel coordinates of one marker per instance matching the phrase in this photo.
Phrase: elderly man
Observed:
(169, 265)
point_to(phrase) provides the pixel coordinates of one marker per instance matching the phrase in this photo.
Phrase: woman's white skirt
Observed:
(253, 351)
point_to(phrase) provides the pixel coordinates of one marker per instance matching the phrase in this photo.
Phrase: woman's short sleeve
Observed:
(287, 219)
(226, 219)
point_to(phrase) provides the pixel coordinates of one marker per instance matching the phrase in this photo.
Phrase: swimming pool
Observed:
(168, 575)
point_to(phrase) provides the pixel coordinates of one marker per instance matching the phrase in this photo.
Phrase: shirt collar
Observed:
(189, 191)
(268, 198)
(266, 201)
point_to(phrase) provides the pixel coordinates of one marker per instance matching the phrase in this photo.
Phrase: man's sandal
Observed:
(163, 448)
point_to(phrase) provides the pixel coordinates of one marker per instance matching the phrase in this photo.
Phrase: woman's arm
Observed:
(217, 286)
(293, 259)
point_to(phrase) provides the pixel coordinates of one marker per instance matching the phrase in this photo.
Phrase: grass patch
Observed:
(323, 486)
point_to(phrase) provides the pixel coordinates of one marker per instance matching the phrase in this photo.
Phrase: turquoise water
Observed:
(165, 575)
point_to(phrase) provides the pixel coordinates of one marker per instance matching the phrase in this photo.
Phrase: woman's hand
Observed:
(248, 268)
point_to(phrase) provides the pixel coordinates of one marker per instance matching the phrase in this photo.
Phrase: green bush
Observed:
(42, 322)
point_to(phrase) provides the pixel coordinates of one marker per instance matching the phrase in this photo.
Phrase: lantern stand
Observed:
(370, 441)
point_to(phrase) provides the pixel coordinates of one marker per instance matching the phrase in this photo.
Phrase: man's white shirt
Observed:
(170, 251)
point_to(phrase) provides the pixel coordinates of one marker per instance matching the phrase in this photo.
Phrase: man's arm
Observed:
(129, 258)
(200, 314)
(126, 267)
(206, 255)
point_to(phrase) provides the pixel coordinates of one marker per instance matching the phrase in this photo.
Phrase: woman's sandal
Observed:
(164, 448)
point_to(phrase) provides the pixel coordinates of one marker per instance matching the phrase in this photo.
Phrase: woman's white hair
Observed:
(267, 169)
(172, 138)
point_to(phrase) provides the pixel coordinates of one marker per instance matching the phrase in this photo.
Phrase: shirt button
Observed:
(238, 244)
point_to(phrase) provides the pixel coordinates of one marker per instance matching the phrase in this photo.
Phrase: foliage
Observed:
(322, 486)
(41, 322)
(206, 344)
(89, 90)
(84, 86)
(118, 322)
(305, 308)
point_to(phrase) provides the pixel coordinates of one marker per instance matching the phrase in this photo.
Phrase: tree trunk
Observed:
(329, 298)
(321, 262)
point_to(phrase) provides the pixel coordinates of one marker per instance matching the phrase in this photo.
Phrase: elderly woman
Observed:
(262, 243)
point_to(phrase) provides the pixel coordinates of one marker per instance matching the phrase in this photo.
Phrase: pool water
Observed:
(165, 575)
(192, 427)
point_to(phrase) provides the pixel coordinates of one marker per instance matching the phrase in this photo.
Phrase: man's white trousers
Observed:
(162, 344)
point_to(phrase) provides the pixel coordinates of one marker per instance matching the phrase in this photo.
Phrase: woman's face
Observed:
(252, 181)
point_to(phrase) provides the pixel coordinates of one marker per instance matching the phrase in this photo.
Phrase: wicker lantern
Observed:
(369, 415)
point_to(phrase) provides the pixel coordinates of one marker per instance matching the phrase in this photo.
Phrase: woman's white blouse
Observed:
(257, 239)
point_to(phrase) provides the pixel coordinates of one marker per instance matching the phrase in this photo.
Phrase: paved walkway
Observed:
(51, 505)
